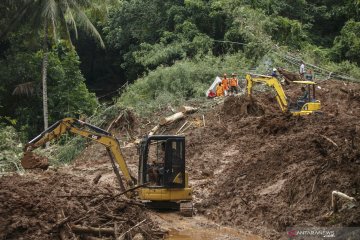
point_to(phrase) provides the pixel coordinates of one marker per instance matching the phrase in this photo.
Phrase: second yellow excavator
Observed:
(305, 106)
(162, 181)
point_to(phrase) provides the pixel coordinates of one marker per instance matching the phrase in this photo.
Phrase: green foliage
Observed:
(185, 41)
(68, 95)
(287, 32)
(184, 80)
(347, 44)
(10, 149)
(67, 92)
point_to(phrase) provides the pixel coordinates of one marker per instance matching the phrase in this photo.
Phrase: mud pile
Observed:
(242, 107)
(269, 171)
(46, 205)
(250, 166)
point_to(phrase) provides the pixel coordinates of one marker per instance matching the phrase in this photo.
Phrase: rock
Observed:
(206, 173)
(138, 236)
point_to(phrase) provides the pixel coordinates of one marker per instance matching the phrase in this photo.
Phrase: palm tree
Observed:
(60, 16)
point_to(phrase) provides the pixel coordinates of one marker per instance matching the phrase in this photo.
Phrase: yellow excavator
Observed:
(303, 107)
(167, 189)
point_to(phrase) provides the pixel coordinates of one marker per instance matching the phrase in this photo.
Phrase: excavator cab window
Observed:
(162, 162)
(174, 175)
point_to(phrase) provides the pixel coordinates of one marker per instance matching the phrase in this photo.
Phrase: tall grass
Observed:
(184, 80)
(10, 149)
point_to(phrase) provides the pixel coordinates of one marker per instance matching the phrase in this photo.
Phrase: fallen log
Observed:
(187, 109)
(92, 230)
(153, 130)
(172, 118)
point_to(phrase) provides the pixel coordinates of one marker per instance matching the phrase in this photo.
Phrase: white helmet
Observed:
(274, 69)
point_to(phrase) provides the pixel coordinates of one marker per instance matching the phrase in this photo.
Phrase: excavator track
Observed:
(186, 209)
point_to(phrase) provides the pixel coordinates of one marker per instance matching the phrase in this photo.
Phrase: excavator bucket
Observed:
(32, 161)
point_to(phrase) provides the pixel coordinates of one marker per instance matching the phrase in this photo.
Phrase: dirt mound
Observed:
(270, 171)
(285, 181)
(32, 161)
(43, 206)
(242, 106)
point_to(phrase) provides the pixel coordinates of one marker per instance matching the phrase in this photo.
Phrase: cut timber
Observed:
(92, 230)
(153, 130)
(187, 109)
(172, 118)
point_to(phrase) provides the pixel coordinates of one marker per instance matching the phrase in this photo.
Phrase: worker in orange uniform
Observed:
(219, 90)
(234, 84)
(225, 84)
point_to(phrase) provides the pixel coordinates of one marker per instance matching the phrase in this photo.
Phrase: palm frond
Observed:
(69, 17)
(86, 23)
(50, 9)
(27, 88)
(18, 17)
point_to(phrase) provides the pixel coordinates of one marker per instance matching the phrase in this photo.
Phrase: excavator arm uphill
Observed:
(310, 106)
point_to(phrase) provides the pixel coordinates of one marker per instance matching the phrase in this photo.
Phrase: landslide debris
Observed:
(263, 170)
(32, 206)
(250, 166)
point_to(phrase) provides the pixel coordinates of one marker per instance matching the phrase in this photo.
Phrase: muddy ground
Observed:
(250, 165)
(34, 206)
(265, 170)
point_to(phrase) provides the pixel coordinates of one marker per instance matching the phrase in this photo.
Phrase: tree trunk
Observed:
(44, 76)
(172, 118)
(187, 109)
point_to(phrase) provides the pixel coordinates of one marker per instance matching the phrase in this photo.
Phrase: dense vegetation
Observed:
(169, 49)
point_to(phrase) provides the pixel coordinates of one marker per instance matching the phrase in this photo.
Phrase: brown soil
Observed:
(265, 171)
(250, 166)
(32, 161)
(32, 205)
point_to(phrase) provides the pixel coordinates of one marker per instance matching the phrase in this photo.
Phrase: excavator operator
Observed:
(156, 168)
(303, 99)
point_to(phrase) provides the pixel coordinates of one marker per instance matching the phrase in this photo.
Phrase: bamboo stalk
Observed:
(186, 128)
(181, 127)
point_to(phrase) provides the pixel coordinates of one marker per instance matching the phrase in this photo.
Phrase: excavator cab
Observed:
(308, 104)
(162, 171)
(162, 162)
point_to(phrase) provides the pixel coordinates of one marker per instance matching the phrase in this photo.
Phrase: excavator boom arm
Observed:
(97, 134)
(271, 82)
